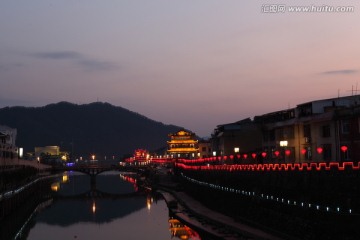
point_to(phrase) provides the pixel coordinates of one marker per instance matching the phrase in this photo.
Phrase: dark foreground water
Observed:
(111, 211)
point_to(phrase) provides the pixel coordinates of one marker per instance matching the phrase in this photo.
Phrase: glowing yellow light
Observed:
(183, 150)
(65, 178)
(174, 141)
(64, 158)
(93, 157)
(55, 187)
(182, 133)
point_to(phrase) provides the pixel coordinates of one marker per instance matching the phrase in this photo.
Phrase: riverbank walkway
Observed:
(21, 162)
(195, 214)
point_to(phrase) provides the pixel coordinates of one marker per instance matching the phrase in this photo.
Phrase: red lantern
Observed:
(277, 153)
(303, 151)
(219, 158)
(287, 152)
(238, 156)
(245, 156)
(225, 157)
(344, 148)
(231, 157)
(319, 150)
(253, 155)
(263, 154)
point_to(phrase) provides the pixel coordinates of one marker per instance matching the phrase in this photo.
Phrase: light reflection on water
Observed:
(137, 224)
(128, 217)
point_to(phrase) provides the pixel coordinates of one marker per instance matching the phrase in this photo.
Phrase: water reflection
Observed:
(101, 221)
(131, 178)
(82, 185)
(131, 216)
(149, 201)
(181, 231)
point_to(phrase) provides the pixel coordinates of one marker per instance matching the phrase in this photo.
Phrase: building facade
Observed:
(318, 131)
(47, 150)
(8, 149)
(233, 138)
(205, 149)
(51, 155)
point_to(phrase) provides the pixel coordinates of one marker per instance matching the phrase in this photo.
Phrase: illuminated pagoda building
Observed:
(183, 145)
(141, 156)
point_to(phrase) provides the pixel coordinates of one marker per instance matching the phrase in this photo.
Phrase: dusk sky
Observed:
(191, 63)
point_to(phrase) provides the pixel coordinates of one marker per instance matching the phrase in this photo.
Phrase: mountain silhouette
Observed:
(95, 128)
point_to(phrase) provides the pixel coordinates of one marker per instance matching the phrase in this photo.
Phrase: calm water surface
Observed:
(77, 214)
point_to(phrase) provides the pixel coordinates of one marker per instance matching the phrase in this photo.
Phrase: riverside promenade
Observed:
(21, 162)
(35, 164)
(206, 221)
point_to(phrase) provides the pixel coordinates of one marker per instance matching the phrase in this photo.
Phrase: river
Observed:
(112, 209)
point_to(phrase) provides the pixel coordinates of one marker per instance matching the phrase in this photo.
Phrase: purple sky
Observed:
(191, 63)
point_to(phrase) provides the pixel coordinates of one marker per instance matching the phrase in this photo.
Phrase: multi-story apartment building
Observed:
(322, 130)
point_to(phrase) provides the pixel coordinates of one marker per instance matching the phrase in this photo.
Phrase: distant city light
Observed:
(94, 207)
(21, 152)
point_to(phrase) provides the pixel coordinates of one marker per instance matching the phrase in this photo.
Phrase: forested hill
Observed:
(99, 128)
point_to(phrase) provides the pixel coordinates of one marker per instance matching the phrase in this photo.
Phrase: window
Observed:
(289, 132)
(272, 135)
(326, 131)
(307, 131)
(345, 126)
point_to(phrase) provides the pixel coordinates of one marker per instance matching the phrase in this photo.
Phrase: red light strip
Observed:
(274, 167)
